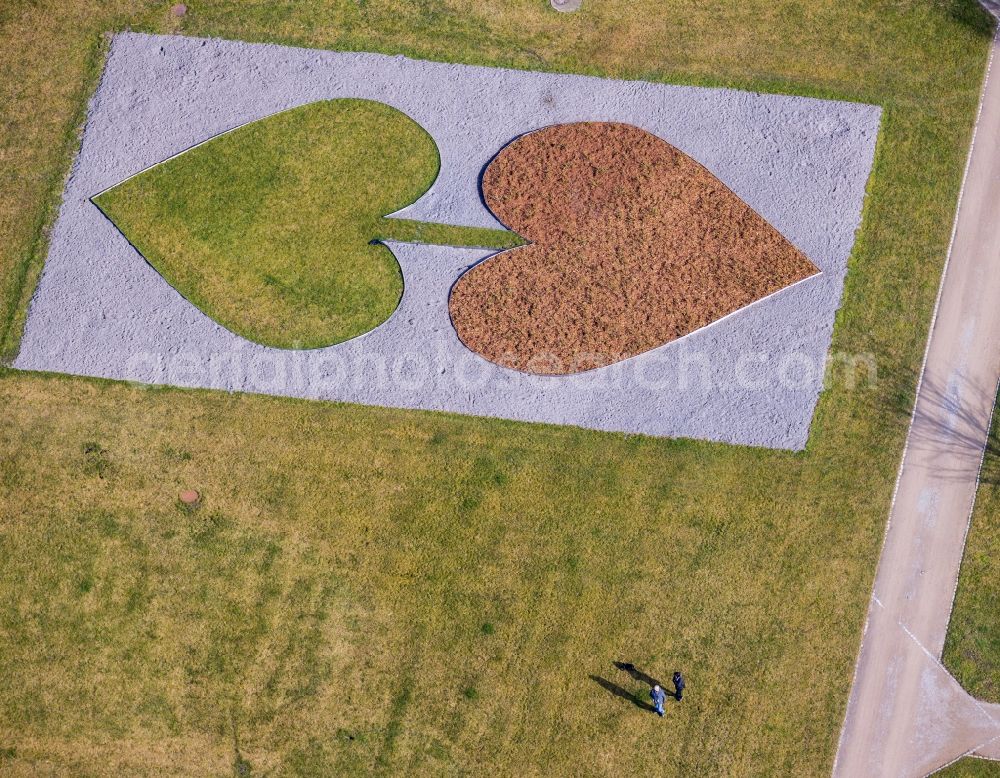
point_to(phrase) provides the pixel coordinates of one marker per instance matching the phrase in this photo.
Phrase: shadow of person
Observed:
(638, 674)
(625, 694)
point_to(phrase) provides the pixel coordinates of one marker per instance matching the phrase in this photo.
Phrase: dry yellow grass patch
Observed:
(326, 609)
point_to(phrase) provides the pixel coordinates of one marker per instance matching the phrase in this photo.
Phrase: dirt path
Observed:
(906, 715)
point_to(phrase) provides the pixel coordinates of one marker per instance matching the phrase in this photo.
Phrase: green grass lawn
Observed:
(970, 768)
(972, 648)
(370, 591)
(272, 229)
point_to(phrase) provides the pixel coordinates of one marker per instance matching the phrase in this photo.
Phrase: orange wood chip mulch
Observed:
(634, 244)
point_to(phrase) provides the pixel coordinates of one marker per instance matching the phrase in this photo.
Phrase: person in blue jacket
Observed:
(659, 698)
(678, 685)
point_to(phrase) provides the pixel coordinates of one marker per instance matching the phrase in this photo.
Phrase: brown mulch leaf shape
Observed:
(634, 244)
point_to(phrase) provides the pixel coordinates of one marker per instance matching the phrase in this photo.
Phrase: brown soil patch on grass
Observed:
(634, 244)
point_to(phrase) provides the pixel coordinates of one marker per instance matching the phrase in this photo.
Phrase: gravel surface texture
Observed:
(752, 377)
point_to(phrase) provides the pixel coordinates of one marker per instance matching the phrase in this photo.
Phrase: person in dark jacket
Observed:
(678, 685)
(659, 698)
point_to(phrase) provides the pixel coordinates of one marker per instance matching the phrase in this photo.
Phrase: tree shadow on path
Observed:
(949, 419)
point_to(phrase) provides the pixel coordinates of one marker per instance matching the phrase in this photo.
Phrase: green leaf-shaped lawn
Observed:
(268, 229)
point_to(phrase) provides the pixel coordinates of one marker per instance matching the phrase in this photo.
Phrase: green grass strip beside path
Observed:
(972, 647)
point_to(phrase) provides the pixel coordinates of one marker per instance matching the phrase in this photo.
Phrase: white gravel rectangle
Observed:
(752, 378)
